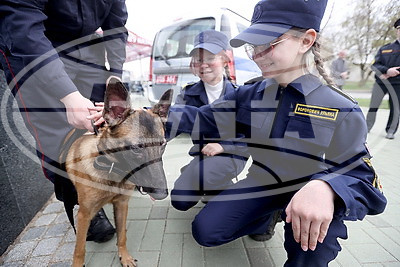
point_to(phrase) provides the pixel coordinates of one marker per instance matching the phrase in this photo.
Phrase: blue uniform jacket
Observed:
(195, 95)
(29, 29)
(387, 57)
(303, 132)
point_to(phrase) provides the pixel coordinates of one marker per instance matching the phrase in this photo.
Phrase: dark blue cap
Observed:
(212, 41)
(272, 18)
(397, 23)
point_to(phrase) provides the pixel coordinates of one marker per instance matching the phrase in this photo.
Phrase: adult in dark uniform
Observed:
(55, 66)
(387, 80)
(307, 141)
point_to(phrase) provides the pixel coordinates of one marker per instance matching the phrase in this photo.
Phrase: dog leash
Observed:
(95, 127)
(69, 199)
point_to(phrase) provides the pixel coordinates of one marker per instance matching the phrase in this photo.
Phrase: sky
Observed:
(146, 17)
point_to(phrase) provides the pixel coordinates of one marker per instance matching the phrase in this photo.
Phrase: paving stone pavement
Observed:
(159, 235)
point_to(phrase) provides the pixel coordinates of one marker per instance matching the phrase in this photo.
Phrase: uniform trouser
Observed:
(222, 221)
(378, 92)
(43, 113)
(204, 176)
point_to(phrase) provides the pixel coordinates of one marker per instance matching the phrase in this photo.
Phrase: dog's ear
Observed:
(162, 107)
(117, 105)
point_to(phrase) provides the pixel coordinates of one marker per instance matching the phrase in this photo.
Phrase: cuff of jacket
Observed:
(343, 205)
(236, 149)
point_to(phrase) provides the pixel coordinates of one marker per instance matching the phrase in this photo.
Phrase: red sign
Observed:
(166, 79)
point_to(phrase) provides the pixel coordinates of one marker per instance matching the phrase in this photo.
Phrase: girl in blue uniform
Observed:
(214, 164)
(307, 142)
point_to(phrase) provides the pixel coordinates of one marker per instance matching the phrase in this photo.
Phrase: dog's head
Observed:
(135, 138)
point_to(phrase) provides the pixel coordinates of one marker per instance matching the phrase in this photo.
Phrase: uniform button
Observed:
(347, 212)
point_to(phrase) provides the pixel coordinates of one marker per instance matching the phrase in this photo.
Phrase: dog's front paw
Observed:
(127, 260)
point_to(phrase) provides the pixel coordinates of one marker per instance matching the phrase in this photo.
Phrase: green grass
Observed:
(355, 86)
(351, 85)
(362, 102)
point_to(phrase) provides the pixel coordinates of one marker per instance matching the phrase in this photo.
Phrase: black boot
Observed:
(276, 217)
(100, 229)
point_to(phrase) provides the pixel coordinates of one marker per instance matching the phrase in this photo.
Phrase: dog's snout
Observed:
(156, 193)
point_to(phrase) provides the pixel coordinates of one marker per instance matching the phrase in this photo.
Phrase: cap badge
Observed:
(257, 13)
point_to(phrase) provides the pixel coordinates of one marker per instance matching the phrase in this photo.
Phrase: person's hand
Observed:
(212, 149)
(77, 108)
(96, 113)
(344, 75)
(383, 76)
(311, 211)
(392, 72)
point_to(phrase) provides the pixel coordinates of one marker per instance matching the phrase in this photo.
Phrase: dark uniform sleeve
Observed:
(180, 98)
(22, 32)
(208, 119)
(175, 113)
(116, 35)
(236, 146)
(379, 66)
(351, 176)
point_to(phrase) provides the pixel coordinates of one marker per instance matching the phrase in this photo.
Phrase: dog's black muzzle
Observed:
(156, 193)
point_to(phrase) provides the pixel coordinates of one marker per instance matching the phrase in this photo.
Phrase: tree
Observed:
(365, 30)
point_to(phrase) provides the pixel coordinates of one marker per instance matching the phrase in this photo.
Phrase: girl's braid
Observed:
(319, 62)
(228, 73)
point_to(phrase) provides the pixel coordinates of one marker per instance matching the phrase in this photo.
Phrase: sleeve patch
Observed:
(376, 182)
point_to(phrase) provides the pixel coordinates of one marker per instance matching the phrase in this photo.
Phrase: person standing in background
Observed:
(339, 69)
(387, 80)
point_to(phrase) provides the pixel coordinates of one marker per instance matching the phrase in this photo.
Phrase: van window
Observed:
(177, 40)
(241, 27)
(225, 26)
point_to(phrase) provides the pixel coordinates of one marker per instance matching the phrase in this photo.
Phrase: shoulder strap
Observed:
(188, 85)
(346, 95)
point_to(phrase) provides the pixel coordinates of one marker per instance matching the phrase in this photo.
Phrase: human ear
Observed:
(307, 40)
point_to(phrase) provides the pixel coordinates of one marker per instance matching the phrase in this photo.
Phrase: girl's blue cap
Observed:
(211, 40)
(397, 23)
(272, 18)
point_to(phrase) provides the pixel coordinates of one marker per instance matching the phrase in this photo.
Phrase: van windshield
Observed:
(176, 41)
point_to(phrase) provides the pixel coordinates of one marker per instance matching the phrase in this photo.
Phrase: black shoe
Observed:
(390, 136)
(276, 217)
(100, 229)
(262, 237)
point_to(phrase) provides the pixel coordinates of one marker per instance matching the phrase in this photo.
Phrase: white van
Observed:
(169, 63)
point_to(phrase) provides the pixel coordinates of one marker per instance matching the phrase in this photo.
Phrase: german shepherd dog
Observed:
(105, 168)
